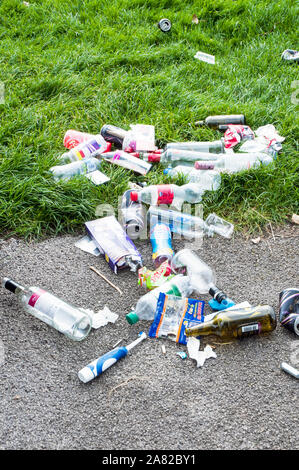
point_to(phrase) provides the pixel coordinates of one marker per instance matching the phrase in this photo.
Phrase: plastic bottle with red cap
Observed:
(170, 194)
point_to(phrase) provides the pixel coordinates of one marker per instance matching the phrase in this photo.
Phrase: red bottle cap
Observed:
(109, 146)
(134, 196)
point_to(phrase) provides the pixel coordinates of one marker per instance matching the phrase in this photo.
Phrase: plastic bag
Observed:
(174, 315)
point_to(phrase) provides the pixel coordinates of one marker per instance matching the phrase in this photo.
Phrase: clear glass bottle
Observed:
(208, 180)
(73, 322)
(216, 146)
(202, 277)
(169, 194)
(236, 162)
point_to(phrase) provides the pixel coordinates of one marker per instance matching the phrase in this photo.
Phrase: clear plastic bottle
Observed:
(71, 321)
(236, 162)
(75, 168)
(91, 148)
(169, 194)
(127, 160)
(174, 157)
(222, 122)
(202, 277)
(146, 306)
(73, 138)
(132, 215)
(160, 236)
(208, 180)
(216, 146)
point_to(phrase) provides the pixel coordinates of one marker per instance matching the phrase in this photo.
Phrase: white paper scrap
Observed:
(210, 59)
(102, 317)
(88, 245)
(97, 177)
(200, 357)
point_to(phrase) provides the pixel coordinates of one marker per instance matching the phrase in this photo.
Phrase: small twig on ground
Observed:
(134, 377)
(105, 279)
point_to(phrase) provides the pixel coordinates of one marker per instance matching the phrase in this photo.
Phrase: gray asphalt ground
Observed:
(148, 401)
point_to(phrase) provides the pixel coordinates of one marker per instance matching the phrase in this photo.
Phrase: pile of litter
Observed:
(168, 303)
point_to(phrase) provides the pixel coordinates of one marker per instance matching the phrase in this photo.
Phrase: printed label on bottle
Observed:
(204, 166)
(116, 156)
(88, 149)
(252, 329)
(34, 298)
(165, 194)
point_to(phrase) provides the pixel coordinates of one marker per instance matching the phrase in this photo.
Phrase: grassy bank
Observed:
(83, 63)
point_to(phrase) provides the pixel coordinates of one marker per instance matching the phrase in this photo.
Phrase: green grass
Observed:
(83, 63)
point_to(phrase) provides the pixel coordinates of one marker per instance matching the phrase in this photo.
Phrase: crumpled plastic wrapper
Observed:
(237, 133)
(200, 357)
(102, 317)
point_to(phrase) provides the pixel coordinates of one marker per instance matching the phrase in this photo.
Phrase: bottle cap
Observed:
(164, 25)
(199, 123)
(134, 196)
(166, 171)
(132, 318)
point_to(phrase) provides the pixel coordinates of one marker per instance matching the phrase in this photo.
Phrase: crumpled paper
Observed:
(200, 357)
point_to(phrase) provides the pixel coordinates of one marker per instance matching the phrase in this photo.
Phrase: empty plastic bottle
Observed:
(236, 162)
(239, 323)
(132, 215)
(216, 146)
(73, 138)
(95, 146)
(127, 160)
(146, 306)
(168, 194)
(75, 168)
(208, 180)
(160, 236)
(71, 321)
(202, 277)
(222, 122)
(173, 157)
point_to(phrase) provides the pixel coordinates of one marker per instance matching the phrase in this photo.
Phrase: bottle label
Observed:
(88, 149)
(34, 298)
(116, 156)
(248, 330)
(204, 166)
(165, 194)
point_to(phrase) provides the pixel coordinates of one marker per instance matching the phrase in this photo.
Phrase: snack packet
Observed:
(174, 315)
(153, 279)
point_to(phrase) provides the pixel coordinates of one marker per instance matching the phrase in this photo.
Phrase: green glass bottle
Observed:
(238, 323)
